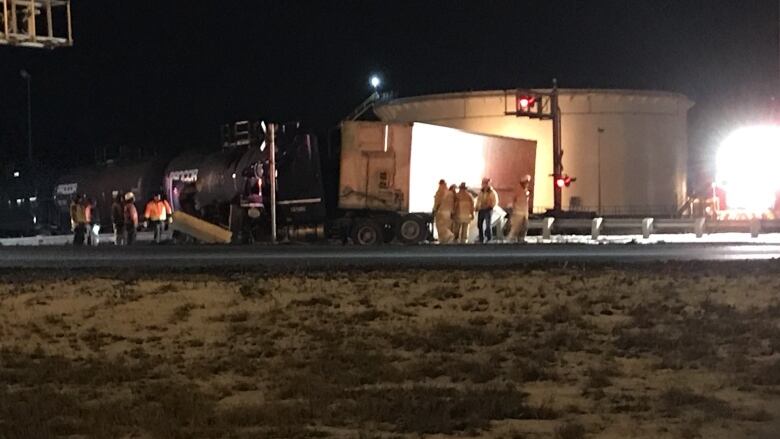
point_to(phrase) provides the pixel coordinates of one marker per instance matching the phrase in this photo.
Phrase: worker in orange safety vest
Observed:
(158, 212)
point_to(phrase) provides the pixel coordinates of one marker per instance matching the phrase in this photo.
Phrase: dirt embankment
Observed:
(659, 352)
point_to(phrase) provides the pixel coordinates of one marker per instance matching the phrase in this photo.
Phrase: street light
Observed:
(27, 77)
(600, 132)
(375, 81)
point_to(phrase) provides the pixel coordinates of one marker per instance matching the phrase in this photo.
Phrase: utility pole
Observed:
(27, 77)
(272, 171)
(557, 150)
(600, 132)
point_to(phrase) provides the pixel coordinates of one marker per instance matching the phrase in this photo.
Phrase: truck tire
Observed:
(367, 232)
(412, 230)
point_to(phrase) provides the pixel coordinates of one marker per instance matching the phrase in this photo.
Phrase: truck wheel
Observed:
(412, 230)
(366, 232)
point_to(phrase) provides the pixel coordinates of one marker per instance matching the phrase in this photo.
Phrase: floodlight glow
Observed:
(375, 81)
(747, 168)
(440, 152)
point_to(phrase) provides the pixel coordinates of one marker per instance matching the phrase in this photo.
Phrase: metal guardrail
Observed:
(548, 226)
(105, 238)
(649, 226)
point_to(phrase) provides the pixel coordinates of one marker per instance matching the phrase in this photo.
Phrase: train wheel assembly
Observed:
(412, 230)
(367, 232)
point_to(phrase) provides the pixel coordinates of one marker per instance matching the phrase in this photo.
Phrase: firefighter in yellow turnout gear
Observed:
(443, 205)
(520, 211)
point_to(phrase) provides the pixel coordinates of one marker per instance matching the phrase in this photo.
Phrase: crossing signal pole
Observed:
(544, 106)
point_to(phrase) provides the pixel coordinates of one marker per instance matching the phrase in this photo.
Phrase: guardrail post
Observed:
(547, 225)
(698, 227)
(595, 228)
(647, 227)
(755, 227)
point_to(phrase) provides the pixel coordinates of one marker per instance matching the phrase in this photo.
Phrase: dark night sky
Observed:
(166, 74)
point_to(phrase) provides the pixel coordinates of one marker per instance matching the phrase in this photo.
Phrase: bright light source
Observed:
(747, 168)
(524, 103)
(16, 174)
(560, 182)
(375, 81)
(440, 152)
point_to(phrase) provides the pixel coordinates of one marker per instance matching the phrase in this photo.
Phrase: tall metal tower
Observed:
(36, 23)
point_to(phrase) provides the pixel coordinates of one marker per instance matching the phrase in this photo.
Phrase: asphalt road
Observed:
(324, 257)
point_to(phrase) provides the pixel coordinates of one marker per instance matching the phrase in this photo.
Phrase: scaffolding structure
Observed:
(36, 23)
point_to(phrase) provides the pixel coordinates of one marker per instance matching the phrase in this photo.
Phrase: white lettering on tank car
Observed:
(186, 175)
(67, 189)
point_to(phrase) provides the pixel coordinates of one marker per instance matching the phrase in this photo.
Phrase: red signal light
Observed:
(524, 103)
(564, 181)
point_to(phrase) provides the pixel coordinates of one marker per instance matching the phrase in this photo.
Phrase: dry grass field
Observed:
(661, 351)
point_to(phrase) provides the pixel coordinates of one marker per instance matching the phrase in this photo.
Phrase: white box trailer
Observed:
(394, 169)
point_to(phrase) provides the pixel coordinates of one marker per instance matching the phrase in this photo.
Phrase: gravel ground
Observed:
(608, 351)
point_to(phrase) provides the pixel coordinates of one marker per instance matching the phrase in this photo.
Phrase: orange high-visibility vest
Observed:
(158, 210)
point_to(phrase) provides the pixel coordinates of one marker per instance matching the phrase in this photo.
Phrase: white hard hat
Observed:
(129, 196)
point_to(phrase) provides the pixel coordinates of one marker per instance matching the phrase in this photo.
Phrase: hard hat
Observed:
(129, 196)
(526, 178)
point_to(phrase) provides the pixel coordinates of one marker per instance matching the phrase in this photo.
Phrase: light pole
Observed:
(27, 77)
(600, 132)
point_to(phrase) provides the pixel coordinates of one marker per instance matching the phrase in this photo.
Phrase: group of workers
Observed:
(454, 209)
(85, 219)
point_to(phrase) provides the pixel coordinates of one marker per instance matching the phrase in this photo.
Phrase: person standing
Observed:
(464, 213)
(78, 220)
(444, 216)
(85, 206)
(93, 222)
(130, 218)
(158, 212)
(520, 211)
(437, 200)
(118, 219)
(453, 227)
(486, 201)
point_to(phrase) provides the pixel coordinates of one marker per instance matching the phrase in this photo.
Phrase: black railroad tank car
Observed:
(230, 187)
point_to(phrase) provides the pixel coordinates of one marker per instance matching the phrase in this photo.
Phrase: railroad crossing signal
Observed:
(543, 105)
(564, 181)
(532, 103)
(525, 103)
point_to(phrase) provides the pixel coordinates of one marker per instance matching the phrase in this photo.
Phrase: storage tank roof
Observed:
(564, 92)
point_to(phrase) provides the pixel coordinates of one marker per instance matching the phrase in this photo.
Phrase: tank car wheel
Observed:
(412, 230)
(367, 232)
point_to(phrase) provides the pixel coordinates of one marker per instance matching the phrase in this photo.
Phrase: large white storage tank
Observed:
(627, 149)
